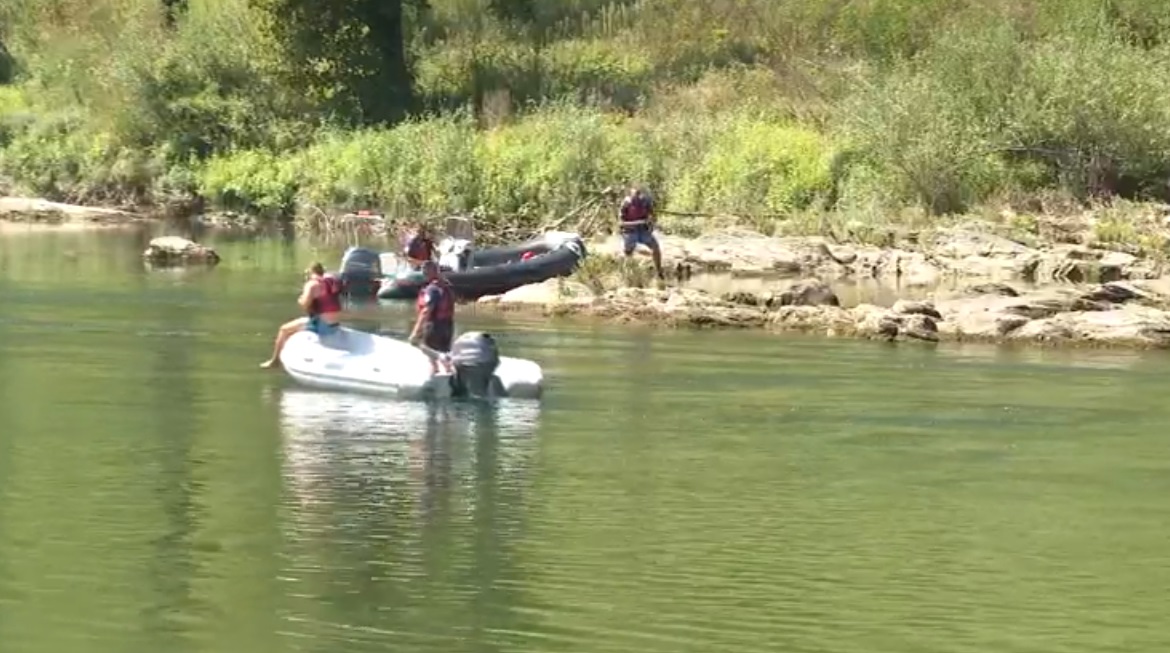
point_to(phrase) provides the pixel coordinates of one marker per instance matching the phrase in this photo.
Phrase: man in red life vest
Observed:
(420, 247)
(637, 226)
(435, 325)
(321, 299)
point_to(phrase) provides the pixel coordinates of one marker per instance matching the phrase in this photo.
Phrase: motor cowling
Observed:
(361, 273)
(475, 357)
(455, 254)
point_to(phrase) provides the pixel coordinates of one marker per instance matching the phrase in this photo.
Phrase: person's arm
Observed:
(308, 294)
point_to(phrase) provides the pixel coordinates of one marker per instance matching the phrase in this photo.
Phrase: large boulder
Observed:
(546, 294)
(174, 250)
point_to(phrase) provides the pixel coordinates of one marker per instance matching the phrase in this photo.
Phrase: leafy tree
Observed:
(350, 55)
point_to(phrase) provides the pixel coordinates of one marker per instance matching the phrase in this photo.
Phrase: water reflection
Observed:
(1065, 357)
(173, 400)
(406, 504)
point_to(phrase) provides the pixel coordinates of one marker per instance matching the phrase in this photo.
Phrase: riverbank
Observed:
(23, 214)
(1098, 277)
(1084, 290)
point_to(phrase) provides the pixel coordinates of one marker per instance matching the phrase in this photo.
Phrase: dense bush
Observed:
(527, 108)
(551, 162)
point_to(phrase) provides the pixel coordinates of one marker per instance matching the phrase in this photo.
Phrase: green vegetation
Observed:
(523, 111)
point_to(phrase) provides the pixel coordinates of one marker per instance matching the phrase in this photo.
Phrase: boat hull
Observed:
(355, 361)
(476, 282)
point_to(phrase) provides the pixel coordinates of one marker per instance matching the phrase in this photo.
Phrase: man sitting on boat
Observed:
(435, 325)
(636, 222)
(420, 247)
(321, 298)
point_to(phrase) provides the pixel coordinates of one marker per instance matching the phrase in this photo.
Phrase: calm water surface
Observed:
(674, 492)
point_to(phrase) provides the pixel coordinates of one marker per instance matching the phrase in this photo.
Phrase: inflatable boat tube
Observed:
(542, 244)
(471, 284)
(355, 361)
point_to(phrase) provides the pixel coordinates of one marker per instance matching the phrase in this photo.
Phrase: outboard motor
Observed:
(454, 254)
(475, 357)
(361, 273)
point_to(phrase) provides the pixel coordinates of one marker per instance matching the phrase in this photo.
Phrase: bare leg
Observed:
(656, 255)
(286, 331)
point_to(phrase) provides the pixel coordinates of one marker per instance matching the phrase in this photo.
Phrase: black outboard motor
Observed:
(361, 273)
(475, 357)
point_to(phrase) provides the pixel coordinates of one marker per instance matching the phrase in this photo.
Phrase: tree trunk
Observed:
(7, 65)
(386, 96)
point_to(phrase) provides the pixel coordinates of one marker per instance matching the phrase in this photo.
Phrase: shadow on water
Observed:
(410, 504)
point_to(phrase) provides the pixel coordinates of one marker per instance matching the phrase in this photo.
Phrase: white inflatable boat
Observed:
(357, 361)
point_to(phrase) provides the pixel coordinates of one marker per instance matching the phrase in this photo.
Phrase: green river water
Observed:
(674, 492)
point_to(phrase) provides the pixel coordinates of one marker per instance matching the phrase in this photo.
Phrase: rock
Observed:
(1113, 292)
(907, 307)
(745, 252)
(972, 253)
(1001, 289)
(544, 294)
(31, 209)
(676, 306)
(829, 320)
(173, 250)
(919, 326)
(1112, 313)
(808, 292)
(1130, 325)
(839, 255)
(227, 221)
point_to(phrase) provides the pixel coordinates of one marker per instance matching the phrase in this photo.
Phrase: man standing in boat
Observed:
(321, 299)
(420, 247)
(636, 222)
(435, 325)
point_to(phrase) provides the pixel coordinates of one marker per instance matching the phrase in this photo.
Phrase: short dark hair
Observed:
(317, 268)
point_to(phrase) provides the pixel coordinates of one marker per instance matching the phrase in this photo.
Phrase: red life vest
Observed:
(445, 311)
(329, 301)
(635, 209)
(420, 248)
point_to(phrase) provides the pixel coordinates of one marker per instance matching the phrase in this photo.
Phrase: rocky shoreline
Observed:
(1061, 284)
(30, 212)
(1063, 293)
(1117, 313)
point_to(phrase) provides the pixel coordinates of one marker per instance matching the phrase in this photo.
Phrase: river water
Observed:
(673, 492)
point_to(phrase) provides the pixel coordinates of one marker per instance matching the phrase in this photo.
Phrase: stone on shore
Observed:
(922, 260)
(40, 211)
(546, 295)
(1114, 313)
(174, 250)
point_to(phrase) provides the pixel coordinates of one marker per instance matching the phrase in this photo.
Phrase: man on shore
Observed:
(420, 247)
(321, 299)
(636, 223)
(435, 325)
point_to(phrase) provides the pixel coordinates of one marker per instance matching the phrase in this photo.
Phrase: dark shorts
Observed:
(439, 336)
(640, 235)
(321, 327)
